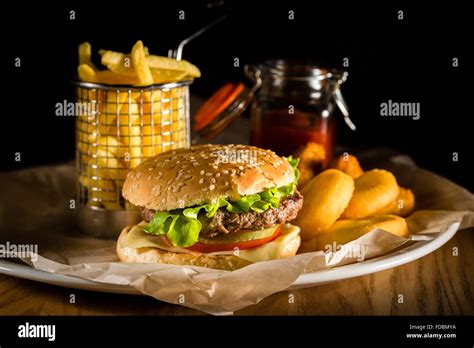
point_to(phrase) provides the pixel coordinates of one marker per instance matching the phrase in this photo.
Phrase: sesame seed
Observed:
(218, 175)
(163, 200)
(212, 187)
(213, 180)
(201, 181)
(195, 164)
(201, 172)
(150, 169)
(208, 174)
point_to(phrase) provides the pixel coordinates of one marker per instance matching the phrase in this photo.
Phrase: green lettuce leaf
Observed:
(182, 226)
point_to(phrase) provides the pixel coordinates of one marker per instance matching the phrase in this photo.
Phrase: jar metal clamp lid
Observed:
(231, 100)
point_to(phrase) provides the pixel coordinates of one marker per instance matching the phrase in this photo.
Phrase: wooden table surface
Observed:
(438, 284)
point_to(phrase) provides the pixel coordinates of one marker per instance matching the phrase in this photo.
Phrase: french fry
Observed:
(113, 146)
(152, 106)
(101, 184)
(114, 78)
(130, 114)
(85, 55)
(111, 106)
(165, 63)
(115, 61)
(164, 76)
(108, 199)
(140, 65)
(154, 95)
(149, 150)
(109, 167)
(135, 156)
(87, 73)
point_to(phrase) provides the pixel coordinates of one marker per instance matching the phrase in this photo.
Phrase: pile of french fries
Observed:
(138, 68)
(124, 125)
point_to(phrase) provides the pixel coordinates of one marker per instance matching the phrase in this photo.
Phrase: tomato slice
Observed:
(212, 248)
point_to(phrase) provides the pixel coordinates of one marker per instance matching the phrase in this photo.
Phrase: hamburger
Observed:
(217, 206)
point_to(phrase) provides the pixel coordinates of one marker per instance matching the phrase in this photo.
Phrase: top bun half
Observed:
(201, 174)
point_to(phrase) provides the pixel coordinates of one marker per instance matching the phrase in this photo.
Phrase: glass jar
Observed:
(295, 105)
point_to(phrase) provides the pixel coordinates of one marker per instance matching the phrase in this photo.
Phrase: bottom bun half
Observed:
(134, 245)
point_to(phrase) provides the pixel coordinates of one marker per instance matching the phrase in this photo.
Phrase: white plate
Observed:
(397, 258)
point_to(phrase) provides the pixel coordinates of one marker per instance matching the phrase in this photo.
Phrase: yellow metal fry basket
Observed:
(118, 127)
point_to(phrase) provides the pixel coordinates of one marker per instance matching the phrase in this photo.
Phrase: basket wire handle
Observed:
(178, 53)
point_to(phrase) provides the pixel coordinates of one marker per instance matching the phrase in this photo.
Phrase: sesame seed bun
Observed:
(201, 174)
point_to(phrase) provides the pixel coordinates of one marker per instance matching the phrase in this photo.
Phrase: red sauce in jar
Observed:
(285, 134)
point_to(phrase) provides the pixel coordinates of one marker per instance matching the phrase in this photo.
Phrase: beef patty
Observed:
(227, 222)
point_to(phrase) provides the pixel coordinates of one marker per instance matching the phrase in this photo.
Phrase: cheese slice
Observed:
(289, 234)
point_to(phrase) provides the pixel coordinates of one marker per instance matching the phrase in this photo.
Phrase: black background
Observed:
(248, 331)
(406, 61)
